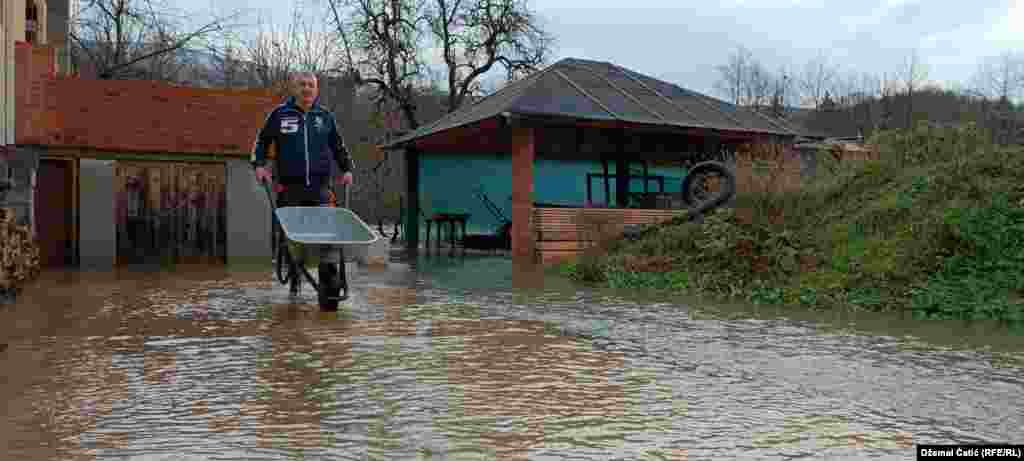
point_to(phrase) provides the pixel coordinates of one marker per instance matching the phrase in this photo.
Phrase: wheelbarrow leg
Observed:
(296, 278)
(284, 260)
(342, 273)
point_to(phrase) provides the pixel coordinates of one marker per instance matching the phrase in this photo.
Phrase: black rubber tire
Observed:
(328, 304)
(701, 169)
(329, 291)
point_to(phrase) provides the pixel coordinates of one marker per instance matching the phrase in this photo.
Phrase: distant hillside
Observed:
(1004, 119)
(829, 124)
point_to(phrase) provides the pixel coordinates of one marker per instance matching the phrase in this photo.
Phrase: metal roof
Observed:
(594, 90)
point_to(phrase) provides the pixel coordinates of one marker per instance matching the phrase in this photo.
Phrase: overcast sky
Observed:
(682, 41)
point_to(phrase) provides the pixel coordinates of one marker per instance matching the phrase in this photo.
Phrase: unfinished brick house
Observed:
(123, 172)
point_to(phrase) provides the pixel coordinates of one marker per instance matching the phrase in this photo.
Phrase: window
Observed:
(31, 22)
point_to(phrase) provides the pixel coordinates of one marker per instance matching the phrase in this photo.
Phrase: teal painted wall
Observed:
(448, 182)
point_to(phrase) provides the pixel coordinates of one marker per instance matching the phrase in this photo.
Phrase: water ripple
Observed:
(459, 361)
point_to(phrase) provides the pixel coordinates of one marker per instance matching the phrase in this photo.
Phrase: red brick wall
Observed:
(767, 167)
(522, 194)
(31, 73)
(133, 115)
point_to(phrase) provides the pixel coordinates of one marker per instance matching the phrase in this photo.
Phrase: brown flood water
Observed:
(471, 358)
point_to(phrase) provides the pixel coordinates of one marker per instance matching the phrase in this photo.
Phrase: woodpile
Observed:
(19, 254)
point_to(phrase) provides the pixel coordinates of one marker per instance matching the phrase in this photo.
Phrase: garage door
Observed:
(170, 212)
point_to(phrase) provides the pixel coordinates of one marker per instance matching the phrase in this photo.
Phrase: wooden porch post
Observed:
(412, 193)
(621, 171)
(522, 194)
(607, 187)
(646, 175)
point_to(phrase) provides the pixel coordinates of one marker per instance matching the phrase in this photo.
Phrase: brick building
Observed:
(113, 172)
(22, 23)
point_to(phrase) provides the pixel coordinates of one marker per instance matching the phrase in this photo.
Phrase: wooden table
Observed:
(447, 218)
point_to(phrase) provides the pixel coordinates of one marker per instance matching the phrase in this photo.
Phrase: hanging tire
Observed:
(692, 187)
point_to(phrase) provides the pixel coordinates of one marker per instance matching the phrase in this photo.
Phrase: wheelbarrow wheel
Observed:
(332, 282)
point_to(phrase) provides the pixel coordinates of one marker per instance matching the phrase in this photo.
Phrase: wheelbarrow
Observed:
(314, 227)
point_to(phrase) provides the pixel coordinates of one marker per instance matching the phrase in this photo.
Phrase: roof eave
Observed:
(406, 140)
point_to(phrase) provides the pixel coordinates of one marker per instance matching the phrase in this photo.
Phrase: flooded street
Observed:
(449, 358)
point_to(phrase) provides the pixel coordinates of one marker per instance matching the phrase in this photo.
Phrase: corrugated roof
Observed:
(593, 90)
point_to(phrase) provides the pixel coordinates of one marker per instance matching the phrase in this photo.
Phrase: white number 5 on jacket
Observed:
(289, 125)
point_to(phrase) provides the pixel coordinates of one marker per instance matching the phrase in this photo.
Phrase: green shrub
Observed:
(983, 277)
(935, 225)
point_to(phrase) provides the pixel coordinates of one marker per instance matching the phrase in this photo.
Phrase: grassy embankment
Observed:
(935, 226)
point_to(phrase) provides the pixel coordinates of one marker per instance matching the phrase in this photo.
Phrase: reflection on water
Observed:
(473, 358)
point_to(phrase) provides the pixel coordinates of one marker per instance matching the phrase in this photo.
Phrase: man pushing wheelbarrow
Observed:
(307, 140)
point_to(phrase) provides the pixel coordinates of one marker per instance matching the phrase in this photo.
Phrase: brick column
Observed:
(522, 194)
(412, 217)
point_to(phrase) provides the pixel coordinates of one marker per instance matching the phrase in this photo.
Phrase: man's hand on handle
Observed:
(345, 179)
(263, 174)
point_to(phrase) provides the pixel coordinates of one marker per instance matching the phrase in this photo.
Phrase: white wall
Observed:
(11, 26)
(17, 18)
(97, 236)
(248, 217)
(43, 27)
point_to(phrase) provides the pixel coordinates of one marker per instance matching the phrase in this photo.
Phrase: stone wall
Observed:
(17, 168)
(19, 256)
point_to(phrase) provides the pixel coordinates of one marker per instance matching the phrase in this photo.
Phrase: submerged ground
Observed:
(452, 358)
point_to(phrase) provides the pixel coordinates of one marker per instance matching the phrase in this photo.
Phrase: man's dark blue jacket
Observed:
(306, 143)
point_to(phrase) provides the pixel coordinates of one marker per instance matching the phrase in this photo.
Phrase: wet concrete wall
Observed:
(98, 233)
(248, 216)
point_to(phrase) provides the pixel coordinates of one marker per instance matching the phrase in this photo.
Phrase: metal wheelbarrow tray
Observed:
(317, 226)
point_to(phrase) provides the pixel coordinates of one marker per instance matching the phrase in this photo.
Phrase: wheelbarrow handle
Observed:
(348, 193)
(270, 196)
(273, 203)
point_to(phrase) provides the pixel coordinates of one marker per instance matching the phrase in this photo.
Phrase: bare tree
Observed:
(868, 92)
(385, 43)
(382, 41)
(783, 92)
(732, 76)
(758, 86)
(477, 35)
(135, 38)
(305, 43)
(817, 79)
(913, 75)
(887, 93)
(228, 67)
(1000, 77)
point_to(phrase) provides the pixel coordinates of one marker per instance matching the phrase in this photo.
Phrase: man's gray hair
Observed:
(303, 73)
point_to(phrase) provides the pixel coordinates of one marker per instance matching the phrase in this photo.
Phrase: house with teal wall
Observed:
(572, 120)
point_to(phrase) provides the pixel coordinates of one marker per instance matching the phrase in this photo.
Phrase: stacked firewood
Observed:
(19, 253)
